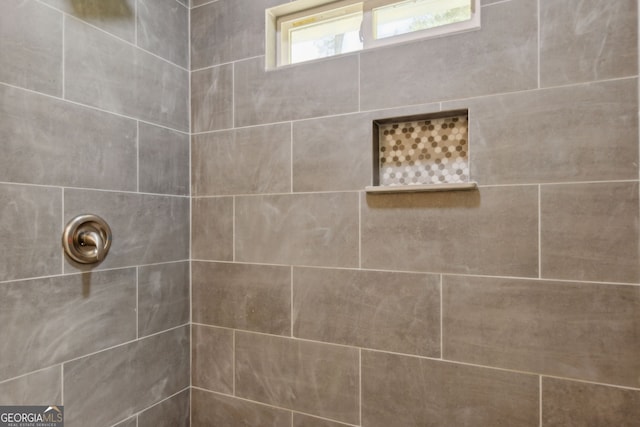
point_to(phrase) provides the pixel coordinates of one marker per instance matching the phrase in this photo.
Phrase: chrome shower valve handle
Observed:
(86, 239)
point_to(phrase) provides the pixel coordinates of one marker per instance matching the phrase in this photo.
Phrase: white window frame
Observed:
(279, 19)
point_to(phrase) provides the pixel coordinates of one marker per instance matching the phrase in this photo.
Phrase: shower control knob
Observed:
(86, 239)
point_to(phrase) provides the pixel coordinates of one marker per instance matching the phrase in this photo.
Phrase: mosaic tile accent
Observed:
(426, 151)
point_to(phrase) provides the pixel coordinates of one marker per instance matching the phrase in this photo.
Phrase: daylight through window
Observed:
(311, 29)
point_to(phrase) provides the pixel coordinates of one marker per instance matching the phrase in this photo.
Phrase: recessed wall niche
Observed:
(427, 152)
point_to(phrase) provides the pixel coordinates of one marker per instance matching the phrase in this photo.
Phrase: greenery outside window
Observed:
(305, 30)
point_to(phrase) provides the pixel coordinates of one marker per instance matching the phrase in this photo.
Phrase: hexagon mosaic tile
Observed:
(426, 151)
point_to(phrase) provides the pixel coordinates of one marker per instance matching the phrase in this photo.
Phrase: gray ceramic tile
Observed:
(163, 29)
(242, 161)
(333, 153)
(212, 358)
(163, 297)
(212, 98)
(131, 422)
(76, 315)
(318, 379)
(104, 72)
(573, 330)
(591, 232)
(399, 312)
(114, 16)
(227, 30)
(52, 142)
(164, 160)
(210, 409)
(146, 229)
(243, 296)
(173, 412)
(341, 145)
(302, 229)
(30, 231)
(501, 57)
(131, 377)
(574, 404)
(300, 420)
(297, 92)
(585, 40)
(31, 46)
(491, 231)
(39, 388)
(555, 135)
(212, 228)
(407, 391)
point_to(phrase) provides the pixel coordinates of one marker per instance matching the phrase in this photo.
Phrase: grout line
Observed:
(233, 356)
(66, 187)
(61, 384)
(441, 319)
(360, 385)
(135, 23)
(291, 157)
(540, 400)
(291, 413)
(360, 196)
(539, 232)
(92, 107)
(233, 95)
(137, 302)
(208, 67)
(137, 156)
(539, 38)
(359, 83)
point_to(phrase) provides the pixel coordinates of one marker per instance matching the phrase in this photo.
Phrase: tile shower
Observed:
(314, 303)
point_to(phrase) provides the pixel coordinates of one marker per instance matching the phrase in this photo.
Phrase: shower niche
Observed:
(428, 152)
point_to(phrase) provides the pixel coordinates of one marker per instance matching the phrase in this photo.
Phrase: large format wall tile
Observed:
(228, 30)
(212, 99)
(31, 46)
(30, 231)
(163, 297)
(210, 409)
(242, 161)
(212, 228)
(146, 229)
(332, 153)
(113, 16)
(164, 160)
(52, 142)
(163, 29)
(399, 312)
(574, 404)
(302, 229)
(501, 57)
(319, 379)
(579, 133)
(105, 72)
(125, 379)
(491, 231)
(39, 388)
(407, 391)
(573, 330)
(48, 321)
(591, 232)
(242, 296)
(212, 358)
(173, 412)
(298, 92)
(584, 40)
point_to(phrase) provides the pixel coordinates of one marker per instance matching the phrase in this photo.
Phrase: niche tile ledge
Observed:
(383, 189)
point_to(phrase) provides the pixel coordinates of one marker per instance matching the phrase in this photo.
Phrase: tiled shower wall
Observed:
(95, 118)
(315, 304)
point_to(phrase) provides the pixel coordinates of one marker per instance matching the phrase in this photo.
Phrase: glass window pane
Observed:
(415, 15)
(325, 37)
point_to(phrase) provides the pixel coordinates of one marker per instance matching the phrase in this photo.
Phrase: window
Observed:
(311, 29)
